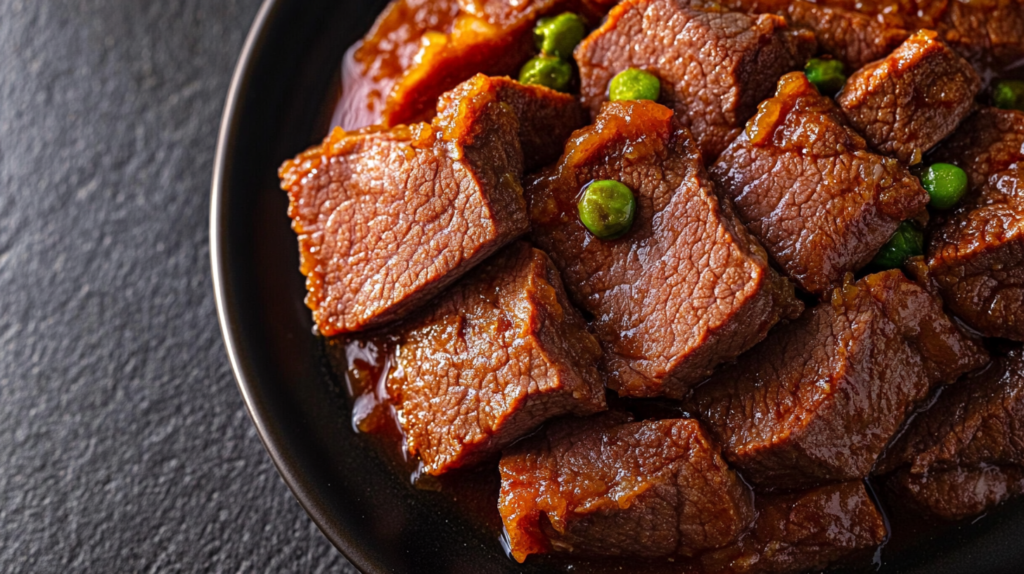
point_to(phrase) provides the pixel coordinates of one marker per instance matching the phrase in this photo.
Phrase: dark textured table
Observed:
(124, 444)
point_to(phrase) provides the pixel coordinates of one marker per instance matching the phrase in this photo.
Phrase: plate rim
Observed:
(227, 132)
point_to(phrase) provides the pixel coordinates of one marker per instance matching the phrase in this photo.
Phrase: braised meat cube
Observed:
(986, 32)
(419, 49)
(911, 100)
(546, 118)
(610, 487)
(819, 399)
(714, 66)
(807, 187)
(855, 38)
(976, 257)
(988, 142)
(966, 454)
(387, 219)
(686, 288)
(497, 355)
(803, 532)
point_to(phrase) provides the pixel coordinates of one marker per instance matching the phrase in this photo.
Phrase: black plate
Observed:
(365, 508)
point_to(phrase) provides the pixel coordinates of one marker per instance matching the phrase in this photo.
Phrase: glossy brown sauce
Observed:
(363, 366)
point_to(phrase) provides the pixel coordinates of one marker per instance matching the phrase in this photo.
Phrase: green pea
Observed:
(945, 183)
(558, 35)
(547, 71)
(1009, 95)
(826, 75)
(634, 84)
(607, 208)
(907, 242)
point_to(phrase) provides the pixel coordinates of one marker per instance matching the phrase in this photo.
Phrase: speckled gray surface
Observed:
(124, 445)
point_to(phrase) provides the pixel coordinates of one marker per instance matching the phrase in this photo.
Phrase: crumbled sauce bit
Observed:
(771, 112)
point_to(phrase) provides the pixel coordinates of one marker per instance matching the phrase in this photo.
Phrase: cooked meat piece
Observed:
(546, 118)
(419, 49)
(806, 186)
(966, 454)
(986, 32)
(497, 355)
(819, 399)
(961, 492)
(714, 66)
(852, 37)
(687, 288)
(976, 257)
(803, 532)
(386, 219)
(608, 487)
(911, 100)
(988, 142)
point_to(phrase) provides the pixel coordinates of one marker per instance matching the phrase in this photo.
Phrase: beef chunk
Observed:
(803, 532)
(386, 219)
(686, 288)
(911, 100)
(806, 186)
(714, 66)
(821, 397)
(986, 32)
(608, 487)
(546, 118)
(852, 37)
(966, 454)
(419, 49)
(976, 257)
(988, 142)
(497, 355)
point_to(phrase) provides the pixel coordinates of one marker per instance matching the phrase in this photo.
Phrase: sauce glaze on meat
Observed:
(720, 388)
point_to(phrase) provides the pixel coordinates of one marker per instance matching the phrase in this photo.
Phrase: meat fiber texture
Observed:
(908, 102)
(497, 355)
(803, 532)
(976, 254)
(419, 49)
(965, 454)
(819, 400)
(687, 288)
(714, 66)
(387, 219)
(988, 33)
(806, 186)
(609, 487)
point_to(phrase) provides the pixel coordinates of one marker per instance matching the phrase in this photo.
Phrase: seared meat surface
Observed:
(387, 219)
(819, 400)
(976, 253)
(808, 188)
(912, 99)
(687, 288)
(965, 454)
(714, 66)
(610, 487)
(803, 532)
(500, 353)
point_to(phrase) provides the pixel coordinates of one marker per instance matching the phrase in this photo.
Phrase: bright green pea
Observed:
(907, 242)
(607, 208)
(558, 35)
(634, 84)
(826, 75)
(945, 183)
(547, 71)
(1009, 95)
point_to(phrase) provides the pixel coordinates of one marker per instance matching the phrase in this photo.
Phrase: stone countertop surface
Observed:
(124, 444)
